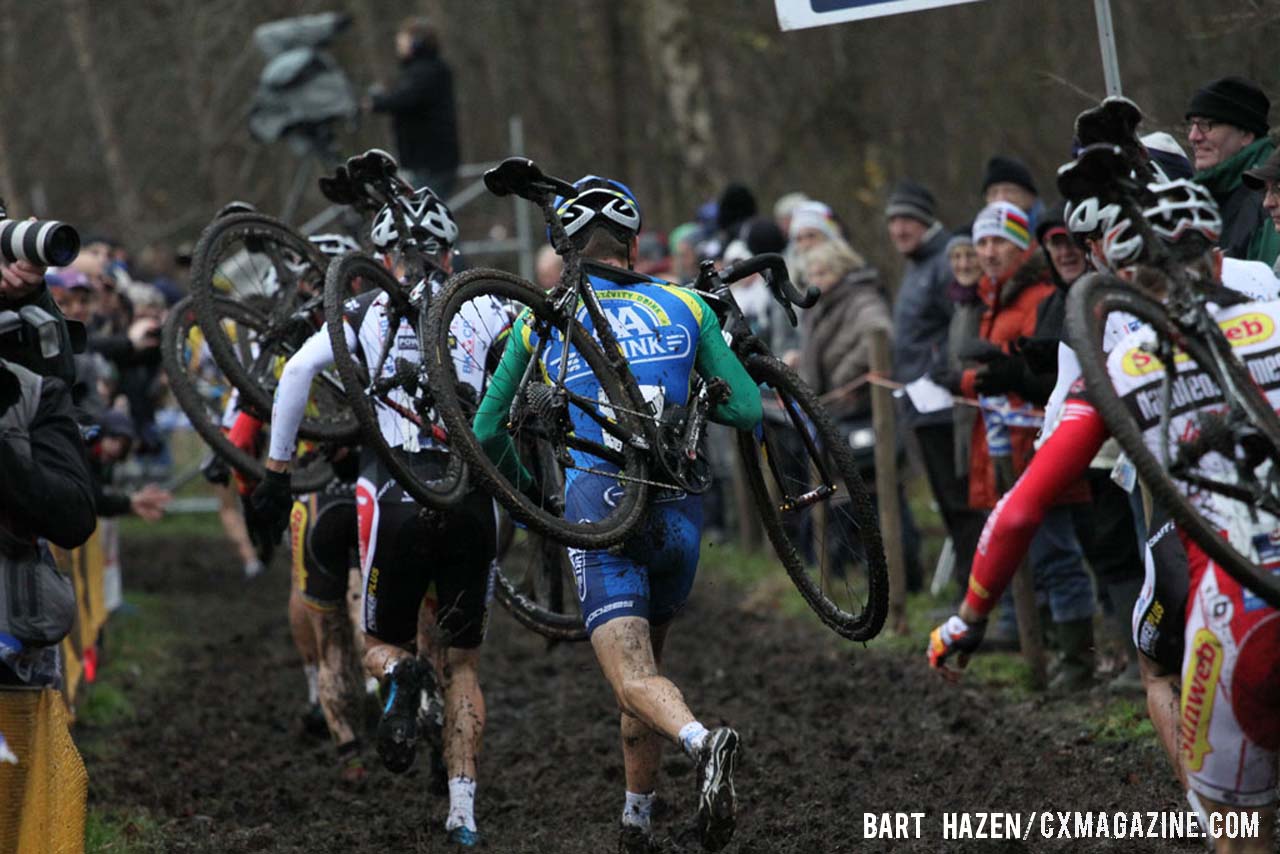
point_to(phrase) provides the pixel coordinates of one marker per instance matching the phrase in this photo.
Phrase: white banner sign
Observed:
(799, 14)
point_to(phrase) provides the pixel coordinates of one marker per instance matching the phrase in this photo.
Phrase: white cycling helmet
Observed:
(1177, 209)
(334, 245)
(429, 220)
(1183, 207)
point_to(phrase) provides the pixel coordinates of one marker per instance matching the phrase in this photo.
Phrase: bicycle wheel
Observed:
(541, 412)
(814, 506)
(263, 264)
(394, 410)
(535, 583)
(204, 393)
(1201, 487)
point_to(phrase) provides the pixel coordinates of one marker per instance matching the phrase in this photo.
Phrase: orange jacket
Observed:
(1011, 313)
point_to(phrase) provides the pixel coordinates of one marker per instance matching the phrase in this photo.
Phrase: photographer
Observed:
(22, 284)
(46, 493)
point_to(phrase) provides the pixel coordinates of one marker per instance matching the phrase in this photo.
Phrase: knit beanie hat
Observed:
(787, 203)
(736, 203)
(1002, 169)
(814, 215)
(762, 234)
(960, 237)
(1164, 150)
(1235, 101)
(1003, 219)
(912, 200)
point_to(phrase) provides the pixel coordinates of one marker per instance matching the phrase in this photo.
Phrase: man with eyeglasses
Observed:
(1227, 131)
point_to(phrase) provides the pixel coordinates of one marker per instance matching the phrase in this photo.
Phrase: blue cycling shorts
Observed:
(651, 573)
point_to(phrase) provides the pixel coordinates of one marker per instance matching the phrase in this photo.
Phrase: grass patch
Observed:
(1123, 720)
(140, 649)
(177, 526)
(118, 833)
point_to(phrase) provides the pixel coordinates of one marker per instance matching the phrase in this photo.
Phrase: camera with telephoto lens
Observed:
(47, 242)
(28, 329)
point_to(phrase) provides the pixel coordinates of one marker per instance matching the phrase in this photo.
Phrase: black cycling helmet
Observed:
(428, 218)
(600, 202)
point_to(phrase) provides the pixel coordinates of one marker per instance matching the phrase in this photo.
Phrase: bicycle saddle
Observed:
(1114, 121)
(523, 177)
(372, 167)
(1101, 170)
(340, 189)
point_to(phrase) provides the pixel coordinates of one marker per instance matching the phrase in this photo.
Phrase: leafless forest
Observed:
(129, 115)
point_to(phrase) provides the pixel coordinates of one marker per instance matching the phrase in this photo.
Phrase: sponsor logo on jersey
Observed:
(1245, 329)
(297, 538)
(1201, 685)
(645, 333)
(1187, 391)
(1242, 331)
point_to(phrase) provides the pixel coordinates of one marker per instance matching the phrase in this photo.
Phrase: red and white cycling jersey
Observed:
(1230, 720)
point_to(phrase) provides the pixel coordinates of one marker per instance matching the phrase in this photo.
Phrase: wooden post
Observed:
(1024, 594)
(886, 454)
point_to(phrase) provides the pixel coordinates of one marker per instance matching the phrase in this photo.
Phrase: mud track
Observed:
(217, 757)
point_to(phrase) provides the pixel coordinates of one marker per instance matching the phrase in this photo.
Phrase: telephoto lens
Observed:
(46, 242)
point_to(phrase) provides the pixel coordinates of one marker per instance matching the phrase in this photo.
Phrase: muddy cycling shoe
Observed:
(398, 728)
(431, 728)
(460, 837)
(313, 722)
(717, 801)
(635, 840)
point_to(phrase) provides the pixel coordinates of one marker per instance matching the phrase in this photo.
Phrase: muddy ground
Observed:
(216, 757)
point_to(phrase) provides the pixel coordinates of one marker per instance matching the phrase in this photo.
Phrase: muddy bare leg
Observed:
(625, 652)
(641, 746)
(1164, 709)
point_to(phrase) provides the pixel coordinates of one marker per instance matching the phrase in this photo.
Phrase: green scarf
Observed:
(1225, 177)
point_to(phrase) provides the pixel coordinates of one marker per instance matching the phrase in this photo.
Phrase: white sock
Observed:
(313, 682)
(639, 810)
(252, 569)
(462, 804)
(692, 735)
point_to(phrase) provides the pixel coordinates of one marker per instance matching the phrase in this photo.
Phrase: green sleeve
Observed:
(490, 422)
(742, 410)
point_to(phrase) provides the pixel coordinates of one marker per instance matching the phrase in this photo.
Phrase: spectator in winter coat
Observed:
(838, 328)
(1227, 124)
(969, 308)
(837, 351)
(423, 113)
(921, 318)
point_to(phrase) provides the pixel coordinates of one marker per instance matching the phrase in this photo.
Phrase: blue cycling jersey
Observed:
(667, 333)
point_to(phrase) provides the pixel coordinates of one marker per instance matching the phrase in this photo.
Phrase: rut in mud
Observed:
(830, 731)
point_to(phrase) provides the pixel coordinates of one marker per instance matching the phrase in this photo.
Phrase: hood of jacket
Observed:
(1225, 177)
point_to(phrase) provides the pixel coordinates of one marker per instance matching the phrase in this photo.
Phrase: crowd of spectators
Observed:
(978, 309)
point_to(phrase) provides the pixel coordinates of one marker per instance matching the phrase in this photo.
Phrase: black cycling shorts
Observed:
(322, 532)
(404, 550)
(1159, 620)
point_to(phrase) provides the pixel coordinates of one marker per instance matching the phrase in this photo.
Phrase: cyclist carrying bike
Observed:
(1225, 733)
(393, 531)
(630, 594)
(322, 536)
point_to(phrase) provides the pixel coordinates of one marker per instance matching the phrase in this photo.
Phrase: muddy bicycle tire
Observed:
(453, 486)
(867, 622)
(204, 420)
(219, 236)
(1088, 304)
(628, 508)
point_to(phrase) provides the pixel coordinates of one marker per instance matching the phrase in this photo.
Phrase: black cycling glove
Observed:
(271, 502)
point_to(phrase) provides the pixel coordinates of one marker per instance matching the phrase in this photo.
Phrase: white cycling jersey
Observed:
(1251, 278)
(1254, 332)
(365, 324)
